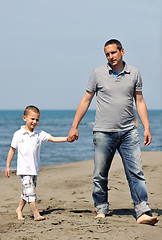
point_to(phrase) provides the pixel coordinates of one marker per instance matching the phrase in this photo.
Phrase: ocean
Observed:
(58, 123)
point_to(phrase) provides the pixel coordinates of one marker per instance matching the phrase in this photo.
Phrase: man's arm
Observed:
(9, 160)
(81, 111)
(143, 115)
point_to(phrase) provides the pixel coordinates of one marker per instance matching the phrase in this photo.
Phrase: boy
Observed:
(28, 140)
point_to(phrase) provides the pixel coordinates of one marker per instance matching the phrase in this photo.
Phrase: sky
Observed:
(49, 48)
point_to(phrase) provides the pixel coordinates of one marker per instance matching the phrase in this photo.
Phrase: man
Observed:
(116, 85)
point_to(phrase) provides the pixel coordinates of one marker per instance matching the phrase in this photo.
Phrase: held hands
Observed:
(73, 135)
(147, 138)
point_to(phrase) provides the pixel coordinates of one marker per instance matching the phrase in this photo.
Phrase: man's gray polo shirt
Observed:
(114, 97)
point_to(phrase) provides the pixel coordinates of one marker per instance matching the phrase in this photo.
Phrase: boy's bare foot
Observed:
(19, 215)
(145, 219)
(39, 218)
(100, 215)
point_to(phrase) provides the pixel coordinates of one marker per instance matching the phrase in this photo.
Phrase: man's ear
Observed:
(122, 51)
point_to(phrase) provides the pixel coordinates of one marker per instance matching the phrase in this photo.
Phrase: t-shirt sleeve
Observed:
(91, 87)
(138, 86)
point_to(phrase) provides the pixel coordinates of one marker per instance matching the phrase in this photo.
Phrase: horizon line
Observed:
(69, 109)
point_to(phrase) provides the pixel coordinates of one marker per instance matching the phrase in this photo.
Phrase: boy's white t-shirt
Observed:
(28, 145)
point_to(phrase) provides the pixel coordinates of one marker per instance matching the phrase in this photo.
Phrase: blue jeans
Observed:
(128, 146)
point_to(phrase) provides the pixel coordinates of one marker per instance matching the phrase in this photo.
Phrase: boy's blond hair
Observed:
(31, 108)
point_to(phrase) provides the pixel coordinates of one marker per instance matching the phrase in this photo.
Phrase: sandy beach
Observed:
(64, 198)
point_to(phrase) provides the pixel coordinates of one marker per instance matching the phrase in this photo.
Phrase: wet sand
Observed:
(64, 198)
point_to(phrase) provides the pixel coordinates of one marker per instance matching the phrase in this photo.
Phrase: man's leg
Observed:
(104, 150)
(131, 156)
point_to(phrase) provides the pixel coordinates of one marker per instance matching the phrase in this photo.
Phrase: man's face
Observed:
(113, 55)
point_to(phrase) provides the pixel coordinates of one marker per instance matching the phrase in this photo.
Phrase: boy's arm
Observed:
(9, 160)
(57, 139)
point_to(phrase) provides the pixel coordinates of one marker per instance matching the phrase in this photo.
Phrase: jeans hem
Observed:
(141, 208)
(102, 208)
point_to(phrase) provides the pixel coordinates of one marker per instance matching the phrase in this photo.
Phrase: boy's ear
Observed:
(24, 118)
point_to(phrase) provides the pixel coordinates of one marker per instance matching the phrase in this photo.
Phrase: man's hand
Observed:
(147, 138)
(73, 135)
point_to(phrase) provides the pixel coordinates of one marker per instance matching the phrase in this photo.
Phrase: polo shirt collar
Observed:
(27, 132)
(125, 69)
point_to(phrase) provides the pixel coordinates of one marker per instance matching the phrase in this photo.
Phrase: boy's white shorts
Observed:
(28, 188)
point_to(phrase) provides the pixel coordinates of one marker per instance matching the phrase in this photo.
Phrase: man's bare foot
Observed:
(145, 219)
(100, 215)
(19, 215)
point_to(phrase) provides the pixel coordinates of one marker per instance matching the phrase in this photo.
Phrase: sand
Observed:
(64, 198)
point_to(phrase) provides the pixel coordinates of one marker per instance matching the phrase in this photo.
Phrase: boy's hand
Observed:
(73, 135)
(9, 160)
(7, 172)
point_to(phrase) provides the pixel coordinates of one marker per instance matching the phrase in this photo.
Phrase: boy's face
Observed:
(31, 120)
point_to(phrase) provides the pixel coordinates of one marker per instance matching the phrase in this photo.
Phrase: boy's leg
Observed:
(20, 208)
(37, 216)
(29, 195)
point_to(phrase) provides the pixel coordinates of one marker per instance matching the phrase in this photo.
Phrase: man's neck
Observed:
(118, 68)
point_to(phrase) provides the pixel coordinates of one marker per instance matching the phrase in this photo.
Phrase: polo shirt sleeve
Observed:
(44, 136)
(138, 85)
(14, 142)
(92, 83)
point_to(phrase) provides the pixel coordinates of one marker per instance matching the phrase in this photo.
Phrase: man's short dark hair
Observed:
(31, 108)
(114, 41)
